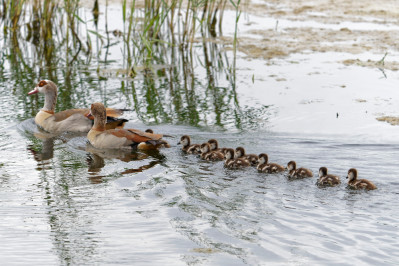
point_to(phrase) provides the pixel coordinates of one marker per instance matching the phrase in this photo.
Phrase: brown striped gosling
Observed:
(355, 183)
(232, 163)
(252, 158)
(209, 155)
(187, 147)
(215, 146)
(301, 172)
(264, 166)
(327, 179)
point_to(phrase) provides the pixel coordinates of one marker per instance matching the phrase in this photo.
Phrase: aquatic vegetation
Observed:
(161, 49)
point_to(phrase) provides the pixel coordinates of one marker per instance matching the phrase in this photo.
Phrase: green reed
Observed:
(161, 40)
(56, 24)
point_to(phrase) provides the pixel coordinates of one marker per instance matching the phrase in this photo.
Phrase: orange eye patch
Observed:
(42, 83)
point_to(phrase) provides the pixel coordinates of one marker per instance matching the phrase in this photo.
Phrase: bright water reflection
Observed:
(80, 206)
(64, 202)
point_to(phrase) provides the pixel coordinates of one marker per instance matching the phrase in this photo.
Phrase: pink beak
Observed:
(34, 91)
(90, 116)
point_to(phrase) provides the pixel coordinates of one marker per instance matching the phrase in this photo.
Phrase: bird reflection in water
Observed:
(46, 152)
(96, 160)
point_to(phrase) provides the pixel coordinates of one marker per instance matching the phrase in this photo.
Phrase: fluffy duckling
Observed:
(232, 163)
(205, 150)
(301, 172)
(187, 147)
(73, 120)
(264, 166)
(166, 145)
(327, 179)
(355, 183)
(215, 146)
(209, 155)
(252, 158)
(101, 138)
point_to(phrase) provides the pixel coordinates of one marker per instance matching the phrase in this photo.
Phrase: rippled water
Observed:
(64, 202)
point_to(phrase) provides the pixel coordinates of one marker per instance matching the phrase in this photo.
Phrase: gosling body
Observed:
(355, 183)
(240, 153)
(326, 179)
(266, 167)
(232, 163)
(187, 147)
(297, 173)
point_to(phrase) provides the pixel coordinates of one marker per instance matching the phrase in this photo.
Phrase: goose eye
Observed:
(42, 83)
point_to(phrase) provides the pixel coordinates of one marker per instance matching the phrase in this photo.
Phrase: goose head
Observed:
(49, 89)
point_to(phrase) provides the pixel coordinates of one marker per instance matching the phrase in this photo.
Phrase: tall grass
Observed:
(53, 24)
(165, 40)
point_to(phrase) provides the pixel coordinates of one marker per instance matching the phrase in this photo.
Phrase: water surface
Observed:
(64, 202)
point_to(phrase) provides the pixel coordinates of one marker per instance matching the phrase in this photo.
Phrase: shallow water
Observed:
(64, 202)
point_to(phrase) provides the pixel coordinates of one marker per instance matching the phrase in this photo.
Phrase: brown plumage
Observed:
(215, 146)
(205, 150)
(298, 173)
(209, 155)
(187, 147)
(149, 130)
(74, 120)
(240, 153)
(102, 138)
(326, 179)
(264, 166)
(355, 183)
(232, 163)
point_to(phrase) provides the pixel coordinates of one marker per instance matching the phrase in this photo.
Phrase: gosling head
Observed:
(229, 154)
(263, 158)
(213, 143)
(323, 171)
(291, 165)
(205, 147)
(240, 151)
(184, 141)
(352, 174)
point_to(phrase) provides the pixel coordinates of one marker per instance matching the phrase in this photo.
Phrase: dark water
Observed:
(64, 202)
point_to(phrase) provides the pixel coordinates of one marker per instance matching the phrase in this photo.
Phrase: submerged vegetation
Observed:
(170, 60)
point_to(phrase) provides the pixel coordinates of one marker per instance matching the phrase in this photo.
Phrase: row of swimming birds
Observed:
(237, 158)
(106, 131)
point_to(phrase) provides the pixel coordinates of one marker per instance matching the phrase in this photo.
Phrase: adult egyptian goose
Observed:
(74, 120)
(187, 147)
(252, 158)
(266, 167)
(326, 179)
(355, 183)
(232, 163)
(301, 172)
(102, 138)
